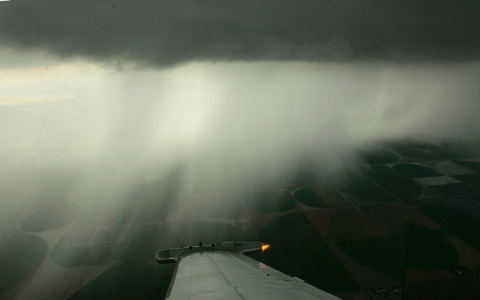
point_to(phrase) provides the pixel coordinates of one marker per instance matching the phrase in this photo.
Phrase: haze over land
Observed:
(86, 111)
(82, 117)
(213, 75)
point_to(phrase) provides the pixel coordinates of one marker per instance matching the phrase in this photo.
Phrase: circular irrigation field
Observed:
(415, 171)
(376, 156)
(20, 257)
(352, 183)
(48, 219)
(309, 197)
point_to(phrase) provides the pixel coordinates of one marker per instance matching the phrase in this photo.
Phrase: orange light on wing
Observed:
(265, 247)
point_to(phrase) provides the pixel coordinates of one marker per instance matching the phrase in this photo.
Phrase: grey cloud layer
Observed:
(165, 33)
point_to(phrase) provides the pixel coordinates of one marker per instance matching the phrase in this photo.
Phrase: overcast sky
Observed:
(164, 33)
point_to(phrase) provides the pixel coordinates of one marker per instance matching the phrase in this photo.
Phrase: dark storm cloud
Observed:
(169, 32)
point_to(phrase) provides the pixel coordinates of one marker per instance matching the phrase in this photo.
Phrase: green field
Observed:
(383, 215)
(454, 154)
(423, 145)
(472, 165)
(288, 230)
(376, 155)
(356, 185)
(308, 197)
(20, 257)
(463, 226)
(467, 149)
(301, 252)
(452, 189)
(468, 178)
(138, 276)
(411, 152)
(347, 224)
(48, 219)
(393, 182)
(426, 250)
(313, 263)
(415, 171)
(72, 256)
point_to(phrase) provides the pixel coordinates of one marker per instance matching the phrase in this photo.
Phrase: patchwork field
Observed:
(337, 228)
